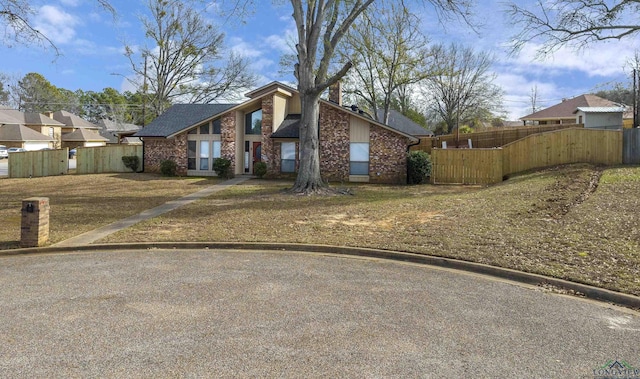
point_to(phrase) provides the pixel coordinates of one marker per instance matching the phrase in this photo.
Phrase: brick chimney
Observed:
(335, 93)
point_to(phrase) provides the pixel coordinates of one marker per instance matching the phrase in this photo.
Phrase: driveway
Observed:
(218, 313)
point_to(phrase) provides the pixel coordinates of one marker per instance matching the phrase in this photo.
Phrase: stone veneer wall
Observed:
(157, 150)
(269, 155)
(387, 156)
(334, 143)
(228, 138)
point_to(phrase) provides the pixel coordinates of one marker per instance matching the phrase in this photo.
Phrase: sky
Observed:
(92, 42)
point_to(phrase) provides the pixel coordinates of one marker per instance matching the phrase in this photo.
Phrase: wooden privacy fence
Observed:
(31, 164)
(466, 166)
(489, 139)
(96, 160)
(487, 166)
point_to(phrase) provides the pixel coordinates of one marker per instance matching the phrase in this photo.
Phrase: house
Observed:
(72, 122)
(83, 138)
(265, 128)
(119, 132)
(18, 135)
(35, 121)
(564, 112)
(599, 117)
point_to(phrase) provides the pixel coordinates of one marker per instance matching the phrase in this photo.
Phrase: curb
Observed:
(590, 292)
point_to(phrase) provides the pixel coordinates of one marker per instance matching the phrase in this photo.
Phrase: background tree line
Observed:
(34, 93)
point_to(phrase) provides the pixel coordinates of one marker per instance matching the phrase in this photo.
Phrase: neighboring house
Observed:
(83, 138)
(265, 128)
(119, 132)
(600, 117)
(17, 135)
(405, 124)
(72, 122)
(564, 112)
(35, 121)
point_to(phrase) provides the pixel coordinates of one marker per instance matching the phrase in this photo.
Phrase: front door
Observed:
(257, 154)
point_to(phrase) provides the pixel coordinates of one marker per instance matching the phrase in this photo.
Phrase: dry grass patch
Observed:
(80, 203)
(549, 222)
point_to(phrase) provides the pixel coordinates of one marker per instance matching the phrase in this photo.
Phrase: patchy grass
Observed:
(556, 222)
(80, 203)
(575, 222)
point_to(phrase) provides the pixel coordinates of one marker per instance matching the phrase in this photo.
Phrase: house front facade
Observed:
(265, 128)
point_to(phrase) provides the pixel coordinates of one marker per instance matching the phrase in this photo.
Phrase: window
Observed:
(288, 157)
(204, 129)
(253, 122)
(359, 158)
(217, 126)
(216, 149)
(191, 155)
(193, 131)
(204, 155)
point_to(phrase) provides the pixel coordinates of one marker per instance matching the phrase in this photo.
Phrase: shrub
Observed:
(132, 162)
(260, 169)
(418, 167)
(222, 167)
(168, 167)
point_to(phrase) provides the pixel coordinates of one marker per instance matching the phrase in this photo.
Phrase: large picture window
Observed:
(288, 157)
(253, 122)
(359, 158)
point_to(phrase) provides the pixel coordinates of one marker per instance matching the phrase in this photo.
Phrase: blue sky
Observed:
(92, 41)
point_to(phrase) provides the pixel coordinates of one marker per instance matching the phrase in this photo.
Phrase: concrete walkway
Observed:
(97, 234)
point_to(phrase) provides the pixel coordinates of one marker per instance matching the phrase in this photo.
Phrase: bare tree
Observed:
(463, 87)
(533, 98)
(183, 61)
(321, 25)
(574, 22)
(18, 27)
(389, 52)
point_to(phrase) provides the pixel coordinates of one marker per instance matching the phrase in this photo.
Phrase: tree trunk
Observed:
(309, 180)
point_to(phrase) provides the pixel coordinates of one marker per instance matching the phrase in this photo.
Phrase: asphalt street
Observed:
(217, 313)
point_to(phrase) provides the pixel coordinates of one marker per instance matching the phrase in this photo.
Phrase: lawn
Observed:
(80, 203)
(576, 222)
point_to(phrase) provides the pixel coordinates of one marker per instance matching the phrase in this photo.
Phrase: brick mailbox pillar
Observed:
(35, 222)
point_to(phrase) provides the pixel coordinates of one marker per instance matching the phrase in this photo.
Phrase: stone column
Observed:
(35, 222)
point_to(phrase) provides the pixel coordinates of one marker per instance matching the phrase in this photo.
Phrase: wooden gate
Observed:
(631, 146)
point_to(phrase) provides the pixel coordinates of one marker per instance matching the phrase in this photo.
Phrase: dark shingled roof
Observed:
(290, 127)
(402, 123)
(180, 117)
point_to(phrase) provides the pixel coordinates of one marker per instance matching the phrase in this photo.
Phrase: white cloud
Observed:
(603, 59)
(70, 3)
(244, 49)
(56, 24)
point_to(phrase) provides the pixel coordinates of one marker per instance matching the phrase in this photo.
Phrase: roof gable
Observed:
(83, 134)
(28, 118)
(180, 117)
(72, 120)
(21, 133)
